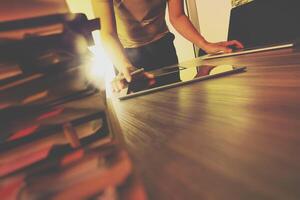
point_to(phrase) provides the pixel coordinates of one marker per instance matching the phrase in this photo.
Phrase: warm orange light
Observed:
(101, 68)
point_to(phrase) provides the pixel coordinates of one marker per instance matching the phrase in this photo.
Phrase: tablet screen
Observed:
(176, 75)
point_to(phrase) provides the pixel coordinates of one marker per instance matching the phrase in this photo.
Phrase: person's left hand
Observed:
(222, 47)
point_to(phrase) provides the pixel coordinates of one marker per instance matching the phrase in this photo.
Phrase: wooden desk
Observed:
(235, 137)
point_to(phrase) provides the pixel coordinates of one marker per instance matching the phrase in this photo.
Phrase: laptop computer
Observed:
(263, 25)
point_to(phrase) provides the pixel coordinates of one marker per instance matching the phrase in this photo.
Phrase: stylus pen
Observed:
(137, 71)
(132, 74)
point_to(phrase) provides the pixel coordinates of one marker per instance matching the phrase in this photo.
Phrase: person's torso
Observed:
(140, 22)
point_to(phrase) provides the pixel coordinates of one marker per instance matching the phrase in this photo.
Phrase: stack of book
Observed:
(58, 137)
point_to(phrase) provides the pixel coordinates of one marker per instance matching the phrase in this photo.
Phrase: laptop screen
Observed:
(265, 22)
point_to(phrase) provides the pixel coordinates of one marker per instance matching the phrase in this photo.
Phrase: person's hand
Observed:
(125, 73)
(122, 78)
(120, 81)
(222, 47)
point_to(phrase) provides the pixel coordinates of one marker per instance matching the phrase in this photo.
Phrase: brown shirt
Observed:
(140, 22)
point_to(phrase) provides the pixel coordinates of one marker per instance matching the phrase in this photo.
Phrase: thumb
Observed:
(127, 75)
(226, 49)
(148, 75)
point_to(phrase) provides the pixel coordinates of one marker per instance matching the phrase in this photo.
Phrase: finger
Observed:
(152, 82)
(224, 43)
(116, 81)
(119, 77)
(239, 44)
(148, 75)
(222, 49)
(114, 86)
(235, 43)
(120, 86)
(226, 50)
(126, 74)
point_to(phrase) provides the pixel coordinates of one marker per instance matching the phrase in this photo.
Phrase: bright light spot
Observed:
(188, 74)
(221, 69)
(81, 6)
(101, 68)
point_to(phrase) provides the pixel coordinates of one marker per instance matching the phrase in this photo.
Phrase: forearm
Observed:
(184, 26)
(115, 50)
(105, 11)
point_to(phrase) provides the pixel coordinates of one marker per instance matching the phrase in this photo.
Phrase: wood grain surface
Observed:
(235, 137)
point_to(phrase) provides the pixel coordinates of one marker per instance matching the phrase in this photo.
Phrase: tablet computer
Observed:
(247, 51)
(173, 76)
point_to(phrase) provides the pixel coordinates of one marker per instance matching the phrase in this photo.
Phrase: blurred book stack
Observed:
(59, 139)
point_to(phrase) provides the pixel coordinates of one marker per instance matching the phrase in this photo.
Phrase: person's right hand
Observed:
(123, 78)
(121, 81)
(125, 73)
